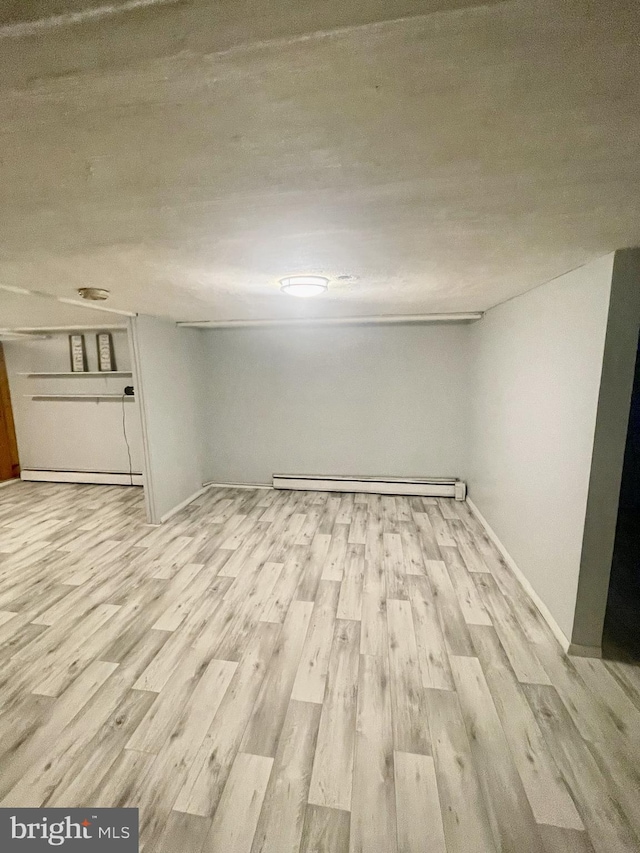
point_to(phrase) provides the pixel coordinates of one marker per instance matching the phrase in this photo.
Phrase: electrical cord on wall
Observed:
(124, 432)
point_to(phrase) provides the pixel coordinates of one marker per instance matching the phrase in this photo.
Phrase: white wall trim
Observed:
(374, 320)
(99, 478)
(142, 411)
(45, 330)
(30, 28)
(182, 504)
(524, 583)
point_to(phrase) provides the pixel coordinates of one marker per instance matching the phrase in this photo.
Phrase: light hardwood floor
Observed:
(275, 671)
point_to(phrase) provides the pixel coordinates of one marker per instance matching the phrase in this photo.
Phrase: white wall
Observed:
(537, 364)
(72, 434)
(342, 400)
(618, 367)
(168, 375)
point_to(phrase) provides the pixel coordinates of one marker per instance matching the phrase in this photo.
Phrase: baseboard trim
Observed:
(98, 478)
(584, 651)
(558, 633)
(183, 504)
(9, 482)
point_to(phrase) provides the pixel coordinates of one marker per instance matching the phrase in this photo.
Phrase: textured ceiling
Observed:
(18, 311)
(187, 155)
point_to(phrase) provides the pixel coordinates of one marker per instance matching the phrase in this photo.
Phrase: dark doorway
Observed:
(622, 622)
(9, 465)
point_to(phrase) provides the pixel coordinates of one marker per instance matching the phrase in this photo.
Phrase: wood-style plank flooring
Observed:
(272, 672)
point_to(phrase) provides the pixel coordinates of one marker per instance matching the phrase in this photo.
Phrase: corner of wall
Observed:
(136, 368)
(623, 327)
(522, 579)
(537, 365)
(167, 369)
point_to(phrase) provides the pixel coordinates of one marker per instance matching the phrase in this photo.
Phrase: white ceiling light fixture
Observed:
(304, 285)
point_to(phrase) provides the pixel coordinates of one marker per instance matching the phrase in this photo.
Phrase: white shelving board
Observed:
(103, 373)
(72, 396)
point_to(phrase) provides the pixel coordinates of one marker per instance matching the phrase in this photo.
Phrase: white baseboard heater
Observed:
(102, 478)
(423, 486)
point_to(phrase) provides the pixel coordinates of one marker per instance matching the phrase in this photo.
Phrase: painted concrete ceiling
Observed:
(186, 155)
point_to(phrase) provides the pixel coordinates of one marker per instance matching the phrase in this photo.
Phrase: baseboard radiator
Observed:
(437, 487)
(102, 478)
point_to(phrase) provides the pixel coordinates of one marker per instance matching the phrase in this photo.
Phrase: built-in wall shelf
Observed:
(72, 396)
(82, 373)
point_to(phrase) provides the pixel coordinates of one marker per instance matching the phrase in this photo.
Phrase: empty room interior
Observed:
(320, 426)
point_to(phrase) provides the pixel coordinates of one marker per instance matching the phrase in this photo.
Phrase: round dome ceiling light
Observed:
(94, 294)
(304, 285)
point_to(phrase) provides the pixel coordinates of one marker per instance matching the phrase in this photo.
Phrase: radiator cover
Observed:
(441, 487)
